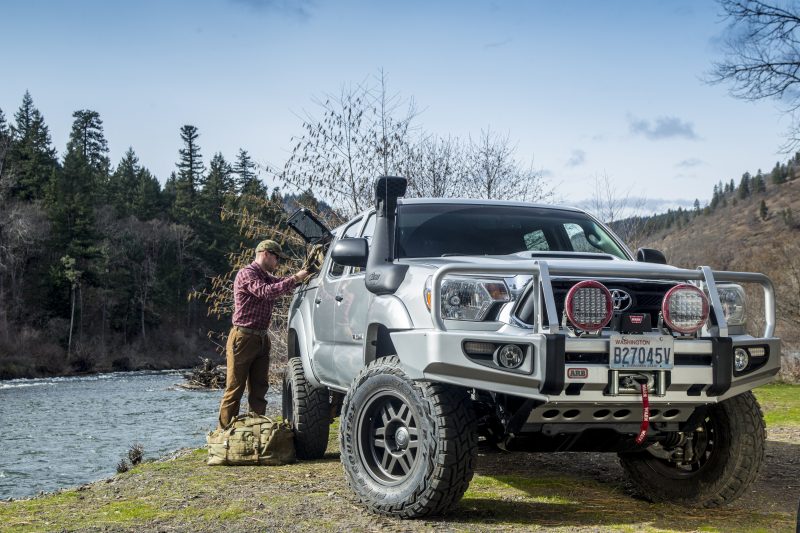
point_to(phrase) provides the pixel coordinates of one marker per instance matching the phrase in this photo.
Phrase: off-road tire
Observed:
(308, 410)
(736, 434)
(438, 465)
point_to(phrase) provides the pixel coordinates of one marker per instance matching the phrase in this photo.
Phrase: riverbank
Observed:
(513, 492)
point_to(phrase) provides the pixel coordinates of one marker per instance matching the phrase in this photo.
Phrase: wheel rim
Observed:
(388, 438)
(705, 443)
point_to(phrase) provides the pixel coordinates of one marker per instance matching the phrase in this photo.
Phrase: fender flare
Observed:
(386, 313)
(298, 345)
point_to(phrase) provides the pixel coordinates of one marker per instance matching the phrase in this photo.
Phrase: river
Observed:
(62, 432)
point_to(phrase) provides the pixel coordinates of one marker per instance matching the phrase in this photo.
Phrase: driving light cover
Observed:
(470, 298)
(685, 308)
(733, 302)
(740, 359)
(589, 305)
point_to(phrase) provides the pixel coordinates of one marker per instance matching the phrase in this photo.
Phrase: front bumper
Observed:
(703, 370)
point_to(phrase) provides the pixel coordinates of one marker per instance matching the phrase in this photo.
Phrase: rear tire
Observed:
(307, 408)
(408, 447)
(730, 453)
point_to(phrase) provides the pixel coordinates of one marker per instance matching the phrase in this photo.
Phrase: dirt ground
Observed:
(510, 492)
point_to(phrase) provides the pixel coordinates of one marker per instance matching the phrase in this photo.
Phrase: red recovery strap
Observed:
(645, 415)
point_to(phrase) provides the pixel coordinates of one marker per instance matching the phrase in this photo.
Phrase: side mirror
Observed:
(351, 252)
(649, 255)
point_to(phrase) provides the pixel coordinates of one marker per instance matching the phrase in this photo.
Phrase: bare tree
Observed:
(435, 167)
(23, 227)
(354, 136)
(617, 209)
(762, 54)
(494, 172)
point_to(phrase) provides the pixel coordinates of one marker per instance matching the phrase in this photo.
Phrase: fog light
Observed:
(740, 359)
(510, 356)
(478, 348)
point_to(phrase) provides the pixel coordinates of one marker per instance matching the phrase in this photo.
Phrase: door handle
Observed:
(339, 297)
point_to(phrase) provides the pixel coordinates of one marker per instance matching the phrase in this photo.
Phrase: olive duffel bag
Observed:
(252, 439)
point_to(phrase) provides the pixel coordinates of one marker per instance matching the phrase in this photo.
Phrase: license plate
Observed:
(641, 352)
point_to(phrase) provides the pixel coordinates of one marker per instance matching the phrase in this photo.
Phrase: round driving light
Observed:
(589, 305)
(510, 356)
(685, 308)
(740, 359)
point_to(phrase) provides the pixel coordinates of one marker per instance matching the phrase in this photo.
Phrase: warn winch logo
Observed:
(577, 373)
(636, 319)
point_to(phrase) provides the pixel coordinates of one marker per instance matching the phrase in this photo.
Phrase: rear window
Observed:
(436, 230)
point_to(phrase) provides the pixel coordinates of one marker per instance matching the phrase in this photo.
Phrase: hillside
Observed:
(734, 236)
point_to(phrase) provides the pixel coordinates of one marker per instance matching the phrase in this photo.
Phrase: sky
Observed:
(584, 89)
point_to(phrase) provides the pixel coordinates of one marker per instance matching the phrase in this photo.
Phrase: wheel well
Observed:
(379, 343)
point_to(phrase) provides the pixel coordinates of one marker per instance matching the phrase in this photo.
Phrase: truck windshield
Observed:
(435, 230)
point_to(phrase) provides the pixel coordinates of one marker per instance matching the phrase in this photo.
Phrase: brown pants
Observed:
(248, 365)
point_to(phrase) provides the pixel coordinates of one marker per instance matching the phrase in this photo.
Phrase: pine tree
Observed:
(762, 210)
(146, 203)
(759, 183)
(31, 155)
(87, 138)
(778, 174)
(744, 186)
(218, 186)
(245, 170)
(123, 183)
(715, 197)
(190, 175)
(5, 145)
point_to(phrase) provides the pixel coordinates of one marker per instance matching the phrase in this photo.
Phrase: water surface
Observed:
(61, 432)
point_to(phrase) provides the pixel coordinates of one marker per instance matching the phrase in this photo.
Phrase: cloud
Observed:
(662, 128)
(498, 44)
(577, 158)
(641, 206)
(690, 163)
(295, 8)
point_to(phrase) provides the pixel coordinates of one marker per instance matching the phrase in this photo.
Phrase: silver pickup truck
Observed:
(436, 324)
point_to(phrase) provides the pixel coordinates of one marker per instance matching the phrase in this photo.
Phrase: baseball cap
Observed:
(269, 245)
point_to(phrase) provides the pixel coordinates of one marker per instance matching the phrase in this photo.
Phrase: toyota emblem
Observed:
(622, 300)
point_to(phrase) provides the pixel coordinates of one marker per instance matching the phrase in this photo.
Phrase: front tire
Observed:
(408, 448)
(730, 451)
(307, 408)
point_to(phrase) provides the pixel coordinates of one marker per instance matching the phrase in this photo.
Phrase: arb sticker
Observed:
(577, 373)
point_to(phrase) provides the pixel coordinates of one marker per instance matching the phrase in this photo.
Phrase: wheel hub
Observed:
(401, 438)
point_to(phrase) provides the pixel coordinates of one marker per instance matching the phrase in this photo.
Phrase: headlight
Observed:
(468, 298)
(733, 303)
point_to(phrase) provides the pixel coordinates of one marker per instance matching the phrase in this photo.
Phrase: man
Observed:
(255, 291)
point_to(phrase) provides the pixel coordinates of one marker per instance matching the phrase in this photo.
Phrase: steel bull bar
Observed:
(547, 321)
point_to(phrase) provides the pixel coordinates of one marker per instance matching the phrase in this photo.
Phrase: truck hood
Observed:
(603, 266)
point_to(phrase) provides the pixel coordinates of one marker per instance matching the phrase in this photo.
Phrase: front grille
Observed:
(646, 297)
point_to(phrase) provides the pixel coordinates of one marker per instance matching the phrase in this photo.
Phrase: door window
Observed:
(369, 230)
(336, 270)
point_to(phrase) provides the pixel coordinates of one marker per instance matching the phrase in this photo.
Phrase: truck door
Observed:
(326, 303)
(350, 318)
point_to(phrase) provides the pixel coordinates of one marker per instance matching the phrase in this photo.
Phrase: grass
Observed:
(781, 404)
(186, 495)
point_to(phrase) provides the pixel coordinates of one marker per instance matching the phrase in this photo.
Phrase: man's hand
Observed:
(314, 259)
(302, 275)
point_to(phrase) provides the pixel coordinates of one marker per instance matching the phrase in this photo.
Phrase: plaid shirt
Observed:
(254, 294)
